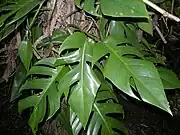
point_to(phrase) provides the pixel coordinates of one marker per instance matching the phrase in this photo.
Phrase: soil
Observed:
(11, 123)
(143, 119)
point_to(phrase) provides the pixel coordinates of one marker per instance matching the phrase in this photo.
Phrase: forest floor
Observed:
(140, 119)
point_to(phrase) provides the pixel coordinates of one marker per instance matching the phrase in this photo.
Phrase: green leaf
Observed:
(24, 8)
(119, 70)
(47, 99)
(75, 123)
(20, 9)
(169, 78)
(36, 32)
(132, 38)
(7, 30)
(146, 26)
(116, 33)
(106, 103)
(18, 81)
(17, 13)
(121, 8)
(81, 77)
(58, 36)
(25, 53)
(102, 27)
(89, 7)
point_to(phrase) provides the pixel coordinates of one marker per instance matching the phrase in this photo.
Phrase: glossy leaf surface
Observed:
(121, 8)
(119, 70)
(81, 77)
(106, 104)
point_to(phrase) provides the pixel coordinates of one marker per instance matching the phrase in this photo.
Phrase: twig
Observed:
(162, 11)
(160, 34)
(155, 25)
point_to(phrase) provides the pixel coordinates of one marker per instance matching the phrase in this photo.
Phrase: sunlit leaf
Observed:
(119, 70)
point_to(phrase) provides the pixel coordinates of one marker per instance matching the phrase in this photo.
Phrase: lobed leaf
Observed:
(46, 100)
(81, 77)
(102, 122)
(119, 70)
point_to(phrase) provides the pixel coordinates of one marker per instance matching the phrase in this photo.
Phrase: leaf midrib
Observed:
(82, 63)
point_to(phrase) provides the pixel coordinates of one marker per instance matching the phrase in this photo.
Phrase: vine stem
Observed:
(34, 18)
(162, 11)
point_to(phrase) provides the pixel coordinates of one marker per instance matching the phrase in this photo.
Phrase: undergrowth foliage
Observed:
(87, 68)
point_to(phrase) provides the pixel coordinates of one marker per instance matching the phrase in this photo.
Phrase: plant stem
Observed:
(34, 18)
(162, 11)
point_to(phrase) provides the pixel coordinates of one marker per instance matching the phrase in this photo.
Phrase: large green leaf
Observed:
(102, 121)
(106, 106)
(81, 78)
(116, 33)
(48, 99)
(120, 70)
(169, 78)
(124, 8)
